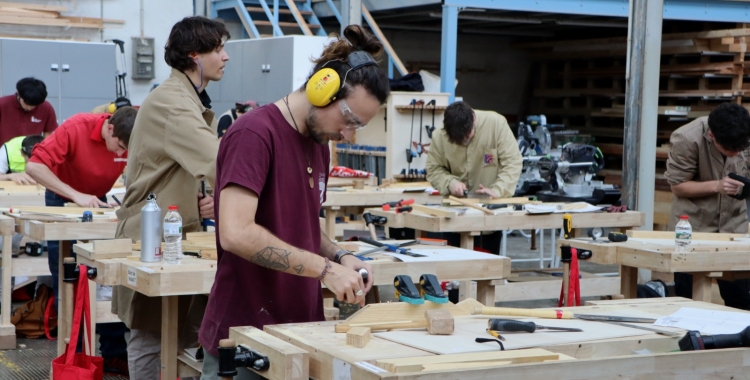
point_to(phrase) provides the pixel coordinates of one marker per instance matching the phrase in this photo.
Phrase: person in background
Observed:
(229, 117)
(172, 151)
(703, 154)
(26, 112)
(475, 152)
(81, 162)
(13, 158)
(111, 107)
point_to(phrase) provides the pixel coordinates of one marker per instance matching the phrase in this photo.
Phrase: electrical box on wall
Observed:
(143, 58)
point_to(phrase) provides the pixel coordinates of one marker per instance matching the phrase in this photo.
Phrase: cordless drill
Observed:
(694, 341)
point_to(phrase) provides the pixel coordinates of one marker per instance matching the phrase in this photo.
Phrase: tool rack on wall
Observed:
(392, 131)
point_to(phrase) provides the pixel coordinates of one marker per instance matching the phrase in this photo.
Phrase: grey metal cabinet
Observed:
(79, 75)
(265, 69)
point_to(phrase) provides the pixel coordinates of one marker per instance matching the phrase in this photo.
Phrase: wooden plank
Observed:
(415, 364)
(434, 211)
(288, 362)
(7, 226)
(358, 337)
(469, 204)
(50, 8)
(70, 231)
(399, 311)
(670, 235)
(550, 288)
(298, 16)
(381, 36)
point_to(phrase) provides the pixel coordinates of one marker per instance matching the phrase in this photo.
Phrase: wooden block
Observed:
(331, 313)
(288, 362)
(439, 322)
(358, 337)
(435, 211)
(359, 184)
(118, 246)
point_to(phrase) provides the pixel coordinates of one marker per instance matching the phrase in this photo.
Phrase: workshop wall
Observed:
(159, 16)
(491, 74)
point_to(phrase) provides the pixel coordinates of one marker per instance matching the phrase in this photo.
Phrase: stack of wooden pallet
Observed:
(581, 83)
(48, 15)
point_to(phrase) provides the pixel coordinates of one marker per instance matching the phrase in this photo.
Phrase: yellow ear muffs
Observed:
(323, 87)
(111, 108)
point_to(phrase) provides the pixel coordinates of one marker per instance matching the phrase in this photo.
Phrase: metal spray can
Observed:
(151, 231)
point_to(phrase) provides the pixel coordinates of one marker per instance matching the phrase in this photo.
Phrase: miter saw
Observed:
(563, 174)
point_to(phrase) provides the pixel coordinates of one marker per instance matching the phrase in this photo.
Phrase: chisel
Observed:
(498, 324)
(554, 314)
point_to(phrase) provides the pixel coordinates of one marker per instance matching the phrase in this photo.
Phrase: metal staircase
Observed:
(274, 18)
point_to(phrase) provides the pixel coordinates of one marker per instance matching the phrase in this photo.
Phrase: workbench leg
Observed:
(65, 308)
(7, 329)
(701, 287)
(486, 292)
(464, 287)
(169, 330)
(504, 244)
(629, 281)
(331, 214)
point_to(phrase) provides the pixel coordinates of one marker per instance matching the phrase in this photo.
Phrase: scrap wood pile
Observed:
(48, 15)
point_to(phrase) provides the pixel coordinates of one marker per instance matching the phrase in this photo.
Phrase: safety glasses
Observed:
(352, 121)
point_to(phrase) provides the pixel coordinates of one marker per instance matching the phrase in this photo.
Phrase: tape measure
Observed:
(617, 237)
(567, 225)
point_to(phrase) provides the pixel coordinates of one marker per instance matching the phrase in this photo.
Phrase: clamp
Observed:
(404, 202)
(232, 356)
(71, 270)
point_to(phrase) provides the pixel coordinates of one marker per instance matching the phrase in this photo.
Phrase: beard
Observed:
(315, 129)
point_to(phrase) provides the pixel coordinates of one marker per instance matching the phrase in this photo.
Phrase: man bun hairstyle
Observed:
(32, 91)
(190, 35)
(371, 77)
(458, 121)
(730, 125)
(122, 121)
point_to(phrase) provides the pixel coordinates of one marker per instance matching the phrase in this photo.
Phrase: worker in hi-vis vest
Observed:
(13, 157)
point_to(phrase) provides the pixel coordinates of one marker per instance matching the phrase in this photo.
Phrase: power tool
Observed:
(694, 341)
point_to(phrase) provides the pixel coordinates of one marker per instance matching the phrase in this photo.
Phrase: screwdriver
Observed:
(497, 324)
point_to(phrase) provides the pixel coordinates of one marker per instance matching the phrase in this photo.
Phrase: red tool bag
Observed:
(72, 365)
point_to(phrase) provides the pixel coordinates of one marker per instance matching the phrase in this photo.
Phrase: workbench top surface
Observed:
(474, 220)
(660, 255)
(328, 349)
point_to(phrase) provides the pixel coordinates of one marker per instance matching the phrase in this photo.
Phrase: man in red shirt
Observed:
(26, 112)
(81, 162)
(271, 176)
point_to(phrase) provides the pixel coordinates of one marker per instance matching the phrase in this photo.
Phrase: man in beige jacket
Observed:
(474, 152)
(703, 154)
(172, 149)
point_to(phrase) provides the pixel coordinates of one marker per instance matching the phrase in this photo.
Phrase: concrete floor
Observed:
(31, 361)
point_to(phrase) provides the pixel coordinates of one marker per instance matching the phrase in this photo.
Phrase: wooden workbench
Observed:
(196, 276)
(314, 350)
(63, 231)
(724, 256)
(473, 223)
(12, 194)
(367, 197)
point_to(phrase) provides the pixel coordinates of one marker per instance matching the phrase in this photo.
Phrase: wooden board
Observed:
(104, 249)
(468, 328)
(372, 197)
(516, 356)
(67, 231)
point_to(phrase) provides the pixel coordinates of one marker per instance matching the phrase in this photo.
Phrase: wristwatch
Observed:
(340, 254)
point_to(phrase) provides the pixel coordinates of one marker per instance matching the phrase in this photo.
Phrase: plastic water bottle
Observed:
(173, 236)
(683, 234)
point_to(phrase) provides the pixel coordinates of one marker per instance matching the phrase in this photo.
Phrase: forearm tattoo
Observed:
(273, 258)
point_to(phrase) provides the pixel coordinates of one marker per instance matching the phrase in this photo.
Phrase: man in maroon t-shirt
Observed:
(26, 112)
(271, 177)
